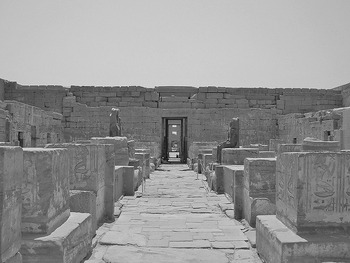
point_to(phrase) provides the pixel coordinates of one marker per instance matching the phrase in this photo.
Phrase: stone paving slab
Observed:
(175, 220)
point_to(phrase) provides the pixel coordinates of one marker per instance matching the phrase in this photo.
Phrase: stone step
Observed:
(69, 243)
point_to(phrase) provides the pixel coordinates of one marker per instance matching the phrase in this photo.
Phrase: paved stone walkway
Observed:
(175, 220)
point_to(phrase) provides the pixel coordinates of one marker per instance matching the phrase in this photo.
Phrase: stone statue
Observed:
(115, 128)
(232, 138)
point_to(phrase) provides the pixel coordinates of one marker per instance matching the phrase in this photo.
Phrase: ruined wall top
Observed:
(285, 100)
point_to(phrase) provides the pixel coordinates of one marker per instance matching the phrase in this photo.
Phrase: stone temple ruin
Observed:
(68, 154)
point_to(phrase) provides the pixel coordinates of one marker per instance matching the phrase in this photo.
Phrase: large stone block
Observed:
(89, 168)
(315, 145)
(45, 189)
(277, 243)
(259, 188)
(11, 176)
(84, 202)
(231, 181)
(236, 156)
(124, 182)
(69, 243)
(120, 148)
(313, 191)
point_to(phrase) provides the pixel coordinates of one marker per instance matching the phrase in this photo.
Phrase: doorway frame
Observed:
(165, 134)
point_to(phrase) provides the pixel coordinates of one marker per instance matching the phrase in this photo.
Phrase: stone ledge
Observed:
(69, 243)
(276, 243)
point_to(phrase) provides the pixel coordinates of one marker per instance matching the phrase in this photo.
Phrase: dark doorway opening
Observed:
(174, 143)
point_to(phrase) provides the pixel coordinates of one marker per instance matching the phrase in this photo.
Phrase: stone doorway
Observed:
(174, 142)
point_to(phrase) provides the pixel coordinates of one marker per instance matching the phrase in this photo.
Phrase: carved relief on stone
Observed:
(80, 168)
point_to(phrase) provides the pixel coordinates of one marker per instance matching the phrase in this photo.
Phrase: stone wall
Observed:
(144, 124)
(284, 100)
(46, 97)
(323, 125)
(31, 124)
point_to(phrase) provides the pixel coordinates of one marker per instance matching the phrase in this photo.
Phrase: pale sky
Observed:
(246, 43)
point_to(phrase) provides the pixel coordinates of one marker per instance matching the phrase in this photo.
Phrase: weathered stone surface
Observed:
(232, 183)
(11, 176)
(206, 160)
(277, 243)
(71, 242)
(259, 188)
(118, 182)
(312, 191)
(124, 182)
(267, 154)
(151, 255)
(260, 177)
(17, 258)
(121, 152)
(273, 144)
(84, 202)
(109, 181)
(315, 145)
(261, 147)
(45, 189)
(88, 170)
(194, 148)
(131, 149)
(144, 159)
(236, 156)
(282, 148)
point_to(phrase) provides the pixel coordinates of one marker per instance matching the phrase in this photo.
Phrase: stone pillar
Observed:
(11, 176)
